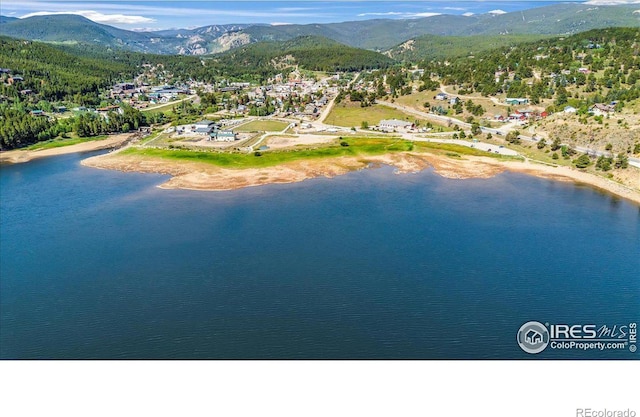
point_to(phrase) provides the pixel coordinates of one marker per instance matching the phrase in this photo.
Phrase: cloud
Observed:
(611, 2)
(381, 14)
(160, 9)
(403, 15)
(468, 14)
(455, 8)
(428, 14)
(497, 11)
(99, 17)
(280, 23)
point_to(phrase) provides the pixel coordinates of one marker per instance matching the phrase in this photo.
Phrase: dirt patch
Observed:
(280, 142)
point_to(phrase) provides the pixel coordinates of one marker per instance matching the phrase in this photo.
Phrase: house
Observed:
(222, 136)
(203, 130)
(37, 113)
(441, 96)
(104, 111)
(569, 109)
(322, 101)
(15, 79)
(516, 101)
(26, 92)
(205, 123)
(394, 124)
(454, 101)
(124, 86)
(600, 109)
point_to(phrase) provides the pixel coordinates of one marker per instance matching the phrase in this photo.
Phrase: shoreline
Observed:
(201, 176)
(18, 156)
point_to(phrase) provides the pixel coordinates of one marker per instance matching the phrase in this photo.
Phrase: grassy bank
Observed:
(262, 126)
(357, 147)
(57, 143)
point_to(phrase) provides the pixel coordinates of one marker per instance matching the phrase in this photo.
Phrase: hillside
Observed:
(310, 52)
(7, 19)
(443, 47)
(379, 34)
(54, 74)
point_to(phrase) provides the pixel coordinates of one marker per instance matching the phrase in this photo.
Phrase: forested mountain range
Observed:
(380, 34)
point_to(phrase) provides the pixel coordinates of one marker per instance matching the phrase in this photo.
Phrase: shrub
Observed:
(582, 161)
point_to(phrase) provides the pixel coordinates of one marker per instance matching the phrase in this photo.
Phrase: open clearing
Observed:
(262, 126)
(352, 115)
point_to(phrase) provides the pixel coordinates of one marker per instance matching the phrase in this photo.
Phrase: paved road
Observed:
(487, 147)
(330, 105)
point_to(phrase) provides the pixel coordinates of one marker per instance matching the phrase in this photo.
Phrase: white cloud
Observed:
(425, 14)
(280, 23)
(455, 8)
(468, 14)
(611, 2)
(497, 11)
(381, 14)
(158, 9)
(99, 17)
(403, 15)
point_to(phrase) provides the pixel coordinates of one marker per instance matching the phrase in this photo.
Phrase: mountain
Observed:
(75, 29)
(7, 19)
(309, 52)
(444, 47)
(383, 34)
(558, 19)
(379, 34)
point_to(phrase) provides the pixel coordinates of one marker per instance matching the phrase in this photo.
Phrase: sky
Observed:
(159, 14)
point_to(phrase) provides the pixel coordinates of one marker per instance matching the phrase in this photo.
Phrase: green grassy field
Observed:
(57, 143)
(448, 148)
(359, 146)
(352, 115)
(262, 126)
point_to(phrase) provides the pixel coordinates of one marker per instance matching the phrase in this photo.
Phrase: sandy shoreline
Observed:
(202, 176)
(19, 155)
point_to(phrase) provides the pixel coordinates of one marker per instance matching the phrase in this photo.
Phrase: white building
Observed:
(394, 124)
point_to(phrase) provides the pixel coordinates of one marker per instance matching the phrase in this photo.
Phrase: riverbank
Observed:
(20, 155)
(203, 176)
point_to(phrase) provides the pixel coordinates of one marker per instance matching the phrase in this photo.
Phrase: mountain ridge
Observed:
(374, 34)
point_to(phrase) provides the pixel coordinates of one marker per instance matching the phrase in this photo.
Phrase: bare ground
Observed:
(202, 176)
(19, 155)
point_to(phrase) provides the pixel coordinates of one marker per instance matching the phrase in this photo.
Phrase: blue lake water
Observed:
(102, 264)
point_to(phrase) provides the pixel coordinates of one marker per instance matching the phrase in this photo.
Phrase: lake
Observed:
(369, 265)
